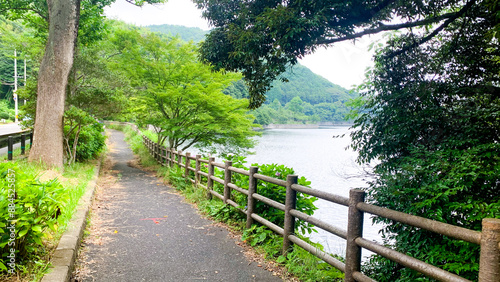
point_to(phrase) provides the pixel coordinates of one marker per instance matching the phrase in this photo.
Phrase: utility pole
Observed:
(25, 77)
(15, 85)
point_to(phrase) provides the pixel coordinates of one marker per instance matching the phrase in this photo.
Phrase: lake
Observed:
(323, 160)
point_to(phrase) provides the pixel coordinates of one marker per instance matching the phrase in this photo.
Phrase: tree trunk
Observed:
(52, 80)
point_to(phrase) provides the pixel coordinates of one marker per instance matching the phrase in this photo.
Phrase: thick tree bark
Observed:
(52, 80)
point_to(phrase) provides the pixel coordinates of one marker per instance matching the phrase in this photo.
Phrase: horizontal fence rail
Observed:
(8, 140)
(488, 238)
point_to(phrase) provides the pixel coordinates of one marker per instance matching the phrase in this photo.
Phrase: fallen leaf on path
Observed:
(155, 220)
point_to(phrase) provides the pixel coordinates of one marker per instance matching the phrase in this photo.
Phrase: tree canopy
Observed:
(59, 22)
(324, 101)
(260, 38)
(181, 97)
(431, 121)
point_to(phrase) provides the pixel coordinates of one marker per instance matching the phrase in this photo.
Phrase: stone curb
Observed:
(63, 259)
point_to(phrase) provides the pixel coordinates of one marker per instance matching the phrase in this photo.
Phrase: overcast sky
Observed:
(343, 64)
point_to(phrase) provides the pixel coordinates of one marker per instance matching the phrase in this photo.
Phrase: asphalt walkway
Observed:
(146, 232)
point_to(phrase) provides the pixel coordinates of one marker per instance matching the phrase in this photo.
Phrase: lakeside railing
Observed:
(9, 139)
(488, 238)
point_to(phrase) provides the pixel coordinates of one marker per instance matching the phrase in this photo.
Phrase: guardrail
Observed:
(488, 239)
(8, 140)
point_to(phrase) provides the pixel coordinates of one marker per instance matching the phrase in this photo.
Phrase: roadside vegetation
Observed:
(45, 201)
(37, 203)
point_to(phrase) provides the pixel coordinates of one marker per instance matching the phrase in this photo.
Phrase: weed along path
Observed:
(141, 230)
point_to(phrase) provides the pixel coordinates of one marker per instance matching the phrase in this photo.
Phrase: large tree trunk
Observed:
(52, 80)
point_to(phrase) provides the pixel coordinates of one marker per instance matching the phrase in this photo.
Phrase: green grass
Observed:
(16, 154)
(83, 172)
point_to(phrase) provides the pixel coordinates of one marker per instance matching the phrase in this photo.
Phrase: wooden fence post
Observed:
(23, 144)
(164, 156)
(169, 157)
(153, 150)
(252, 188)
(489, 259)
(188, 164)
(210, 181)
(227, 180)
(197, 176)
(179, 158)
(290, 204)
(10, 147)
(354, 230)
(157, 152)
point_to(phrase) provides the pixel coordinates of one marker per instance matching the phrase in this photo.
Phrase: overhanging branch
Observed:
(436, 31)
(449, 17)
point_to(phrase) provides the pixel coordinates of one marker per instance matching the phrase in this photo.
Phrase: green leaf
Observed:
(22, 233)
(37, 228)
(2, 266)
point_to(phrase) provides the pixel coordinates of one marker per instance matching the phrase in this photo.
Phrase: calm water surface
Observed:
(324, 161)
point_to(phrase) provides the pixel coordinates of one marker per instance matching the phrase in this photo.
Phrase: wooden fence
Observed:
(488, 239)
(8, 140)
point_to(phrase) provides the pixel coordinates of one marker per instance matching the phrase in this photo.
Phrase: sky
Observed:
(343, 64)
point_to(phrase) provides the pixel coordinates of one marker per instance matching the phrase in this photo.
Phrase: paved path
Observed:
(150, 234)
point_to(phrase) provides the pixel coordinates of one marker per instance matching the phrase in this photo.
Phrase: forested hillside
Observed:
(305, 98)
(185, 33)
(13, 38)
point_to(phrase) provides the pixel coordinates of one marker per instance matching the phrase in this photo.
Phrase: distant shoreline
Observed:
(304, 126)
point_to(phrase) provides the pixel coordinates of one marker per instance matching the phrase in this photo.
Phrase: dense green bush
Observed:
(28, 208)
(91, 142)
(86, 131)
(5, 111)
(430, 121)
(277, 193)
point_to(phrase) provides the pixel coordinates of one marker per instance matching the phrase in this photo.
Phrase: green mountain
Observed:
(310, 87)
(305, 98)
(187, 34)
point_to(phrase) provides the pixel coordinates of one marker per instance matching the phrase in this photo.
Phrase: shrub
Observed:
(28, 208)
(5, 111)
(86, 132)
(90, 143)
(305, 203)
